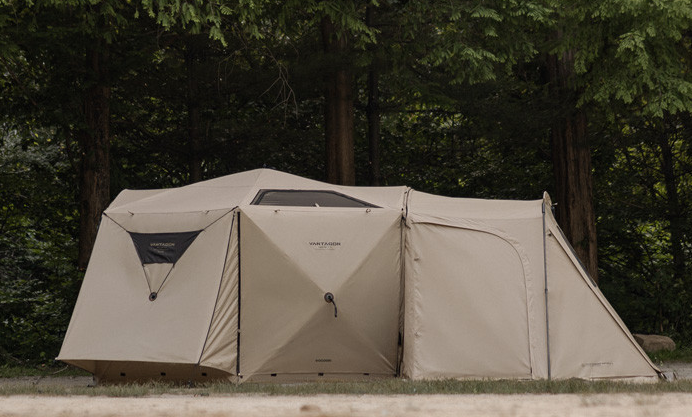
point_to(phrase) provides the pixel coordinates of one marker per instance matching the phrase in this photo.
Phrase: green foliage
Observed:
(346, 15)
(198, 16)
(37, 248)
(473, 149)
(634, 52)
(470, 41)
(465, 112)
(678, 355)
(636, 228)
(41, 371)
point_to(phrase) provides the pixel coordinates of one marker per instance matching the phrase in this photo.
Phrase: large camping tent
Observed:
(264, 275)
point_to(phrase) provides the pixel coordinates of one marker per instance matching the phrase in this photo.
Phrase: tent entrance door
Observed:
(319, 291)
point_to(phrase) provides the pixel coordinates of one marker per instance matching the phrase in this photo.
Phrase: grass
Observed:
(682, 354)
(379, 387)
(7, 371)
(382, 387)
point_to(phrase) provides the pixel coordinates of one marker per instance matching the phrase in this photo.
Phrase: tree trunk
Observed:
(338, 108)
(193, 110)
(373, 114)
(94, 142)
(572, 167)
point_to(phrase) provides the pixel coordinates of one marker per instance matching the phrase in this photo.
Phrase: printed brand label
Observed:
(324, 245)
(594, 364)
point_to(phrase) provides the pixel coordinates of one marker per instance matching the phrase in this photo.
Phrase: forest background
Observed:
(589, 100)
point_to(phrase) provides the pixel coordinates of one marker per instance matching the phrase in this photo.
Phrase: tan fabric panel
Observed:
(552, 226)
(128, 196)
(239, 179)
(120, 372)
(518, 222)
(156, 274)
(528, 234)
(472, 208)
(114, 320)
(240, 189)
(185, 199)
(269, 178)
(289, 259)
(312, 377)
(114, 272)
(221, 348)
(161, 222)
(586, 340)
(466, 310)
(251, 182)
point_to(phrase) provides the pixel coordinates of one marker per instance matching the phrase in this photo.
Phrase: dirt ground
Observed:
(255, 405)
(563, 405)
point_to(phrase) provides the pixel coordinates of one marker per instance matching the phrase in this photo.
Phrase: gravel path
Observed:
(682, 370)
(564, 405)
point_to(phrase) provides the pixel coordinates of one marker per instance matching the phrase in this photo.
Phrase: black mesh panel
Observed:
(162, 248)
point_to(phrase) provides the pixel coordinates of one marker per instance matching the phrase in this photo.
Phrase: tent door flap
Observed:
(317, 289)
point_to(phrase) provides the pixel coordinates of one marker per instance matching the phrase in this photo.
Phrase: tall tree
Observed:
(633, 53)
(372, 110)
(194, 46)
(94, 145)
(338, 105)
(571, 156)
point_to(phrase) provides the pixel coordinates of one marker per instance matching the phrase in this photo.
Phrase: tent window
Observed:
(155, 248)
(307, 198)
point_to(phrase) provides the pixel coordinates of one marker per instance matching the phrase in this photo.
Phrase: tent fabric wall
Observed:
(116, 321)
(458, 325)
(460, 282)
(291, 257)
(587, 337)
(501, 292)
(220, 349)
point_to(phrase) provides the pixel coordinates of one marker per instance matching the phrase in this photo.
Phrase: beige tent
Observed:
(263, 275)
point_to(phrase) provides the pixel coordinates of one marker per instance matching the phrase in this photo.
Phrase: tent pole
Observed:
(545, 277)
(237, 357)
(402, 292)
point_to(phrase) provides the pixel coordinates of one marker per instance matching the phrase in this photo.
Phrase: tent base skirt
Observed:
(315, 377)
(120, 372)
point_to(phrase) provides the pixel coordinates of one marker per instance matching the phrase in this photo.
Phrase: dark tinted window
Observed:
(307, 198)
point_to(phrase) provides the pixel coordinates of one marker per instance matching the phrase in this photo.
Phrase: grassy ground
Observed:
(7, 371)
(384, 387)
(381, 387)
(683, 354)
